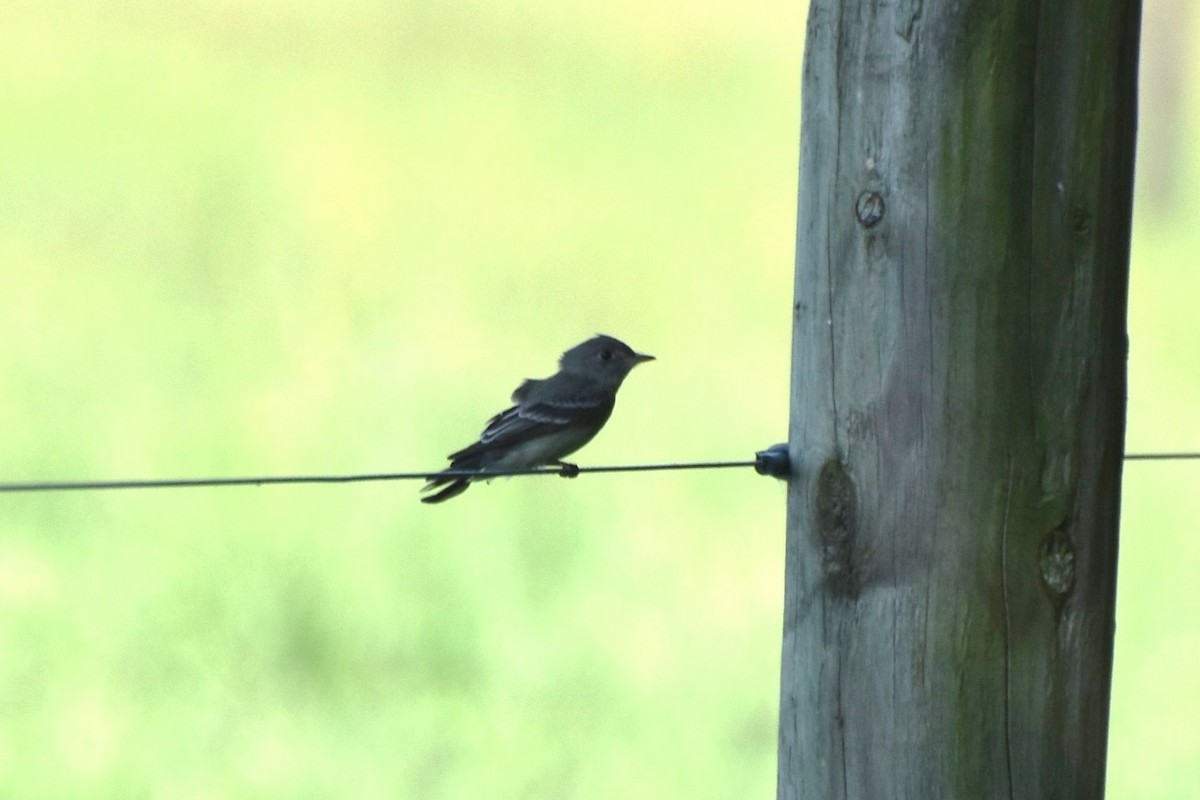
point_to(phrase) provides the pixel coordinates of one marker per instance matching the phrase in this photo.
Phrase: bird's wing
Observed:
(530, 420)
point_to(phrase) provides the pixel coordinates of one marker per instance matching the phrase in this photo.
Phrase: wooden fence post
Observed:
(958, 398)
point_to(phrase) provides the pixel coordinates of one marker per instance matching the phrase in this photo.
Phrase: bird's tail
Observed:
(454, 484)
(453, 488)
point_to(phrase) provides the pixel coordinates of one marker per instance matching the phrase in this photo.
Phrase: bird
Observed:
(549, 419)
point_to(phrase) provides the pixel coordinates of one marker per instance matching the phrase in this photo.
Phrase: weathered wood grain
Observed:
(958, 398)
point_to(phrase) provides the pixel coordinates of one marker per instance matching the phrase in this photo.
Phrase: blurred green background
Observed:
(287, 236)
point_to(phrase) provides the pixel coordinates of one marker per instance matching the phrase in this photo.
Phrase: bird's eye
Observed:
(606, 355)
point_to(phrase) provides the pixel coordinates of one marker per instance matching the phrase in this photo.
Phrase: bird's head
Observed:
(604, 358)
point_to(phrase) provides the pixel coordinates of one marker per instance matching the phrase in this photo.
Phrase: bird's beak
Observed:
(641, 358)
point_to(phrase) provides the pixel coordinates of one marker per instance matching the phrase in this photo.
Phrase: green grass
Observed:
(289, 237)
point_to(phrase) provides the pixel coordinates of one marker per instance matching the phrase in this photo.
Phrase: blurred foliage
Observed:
(290, 237)
(255, 236)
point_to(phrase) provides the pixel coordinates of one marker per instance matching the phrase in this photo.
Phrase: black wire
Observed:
(1162, 456)
(565, 470)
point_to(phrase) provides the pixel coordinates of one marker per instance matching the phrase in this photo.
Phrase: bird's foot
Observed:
(567, 469)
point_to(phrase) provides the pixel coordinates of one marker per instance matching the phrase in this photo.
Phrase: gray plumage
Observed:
(550, 419)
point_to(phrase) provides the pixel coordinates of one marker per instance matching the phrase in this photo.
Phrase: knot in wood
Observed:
(1081, 220)
(836, 518)
(869, 208)
(1057, 562)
